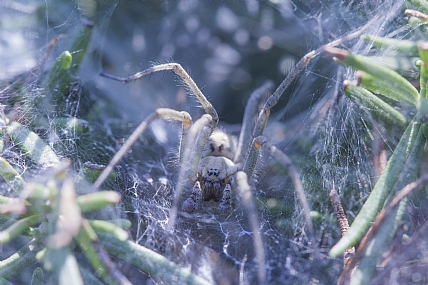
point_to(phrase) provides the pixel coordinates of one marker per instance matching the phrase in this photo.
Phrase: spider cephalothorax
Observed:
(220, 144)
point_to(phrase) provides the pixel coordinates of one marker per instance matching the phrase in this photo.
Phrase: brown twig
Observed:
(343, 223)
(416, 14)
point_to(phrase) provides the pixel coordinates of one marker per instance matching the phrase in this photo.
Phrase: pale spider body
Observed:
(214, 174)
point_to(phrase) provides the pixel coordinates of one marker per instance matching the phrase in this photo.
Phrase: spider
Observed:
(212, 161)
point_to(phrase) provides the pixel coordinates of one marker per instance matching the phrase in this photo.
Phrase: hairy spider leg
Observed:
(225, 206)
(159, 113)
(206, 105)
(194, 201)
(179, 70)
(252, 152)
(195, 157)
(285, 161)
(302, 64)
(241, 181)
(191, 159)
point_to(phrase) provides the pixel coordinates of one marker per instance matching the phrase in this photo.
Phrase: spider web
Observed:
(229, 49)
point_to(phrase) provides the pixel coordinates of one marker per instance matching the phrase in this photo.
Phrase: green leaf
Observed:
(58, 71)
(159, 267)
(79, 46)
(379, 72)
(382, 87)
(423, 64)
(18, 227)
(36, 149)
(89, 278)
(68, 269)
(110, 228)
(11, 177)
(97, 201)
(380, 110)
(363, 273)
(20, 260)
(37, 278)
(407, 46)
(85, 239)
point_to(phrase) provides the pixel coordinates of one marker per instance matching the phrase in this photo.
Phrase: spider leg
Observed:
(179, 70)
(285, 161)
(248, 121)
(191, 160)
(183, 142)
(225, 208)
(159, 113)
(193, 152)
(241, 181)
(193, 203)
(302, 64)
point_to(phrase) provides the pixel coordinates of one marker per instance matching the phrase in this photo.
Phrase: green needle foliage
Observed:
(402, 167)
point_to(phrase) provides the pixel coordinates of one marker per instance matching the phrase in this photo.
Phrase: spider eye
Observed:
(220, 148)
(212, 147)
